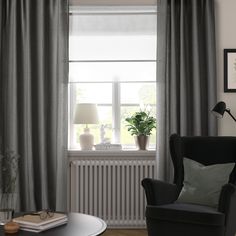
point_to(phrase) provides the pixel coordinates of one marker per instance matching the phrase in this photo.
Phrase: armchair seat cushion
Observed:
(187, 213)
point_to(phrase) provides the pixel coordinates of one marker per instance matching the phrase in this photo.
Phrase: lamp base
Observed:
(86, 140)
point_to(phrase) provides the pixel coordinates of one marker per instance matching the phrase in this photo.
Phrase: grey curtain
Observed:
(186, 73)
(33, 97)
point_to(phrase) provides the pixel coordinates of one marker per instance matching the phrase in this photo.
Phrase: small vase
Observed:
(7, 204)
(142, 142)
(6, 215)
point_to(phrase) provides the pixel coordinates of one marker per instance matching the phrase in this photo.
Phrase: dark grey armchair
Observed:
(165, 217)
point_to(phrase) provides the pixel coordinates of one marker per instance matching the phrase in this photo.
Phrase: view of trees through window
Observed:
(113, 64)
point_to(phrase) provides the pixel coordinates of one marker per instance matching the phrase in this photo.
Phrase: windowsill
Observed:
(113, 153)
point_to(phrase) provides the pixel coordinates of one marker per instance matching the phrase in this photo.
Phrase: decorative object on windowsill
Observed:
(106, 144)
(8, 174)
(86, 113)
(141, 124)
(220, 109)
(103, 138)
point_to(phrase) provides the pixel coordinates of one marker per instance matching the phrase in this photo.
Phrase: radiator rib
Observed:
(111, 189)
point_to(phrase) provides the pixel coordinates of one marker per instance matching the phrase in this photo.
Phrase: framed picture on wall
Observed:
(229, 70)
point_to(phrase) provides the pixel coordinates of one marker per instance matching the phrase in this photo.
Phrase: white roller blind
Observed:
(101, 21)
(121, 38)
(126, 32)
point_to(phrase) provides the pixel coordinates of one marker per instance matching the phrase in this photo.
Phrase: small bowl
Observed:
(11, 227)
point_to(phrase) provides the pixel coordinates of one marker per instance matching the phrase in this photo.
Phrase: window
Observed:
(112, 53)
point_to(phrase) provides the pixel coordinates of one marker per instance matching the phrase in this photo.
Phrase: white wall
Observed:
(225, 38)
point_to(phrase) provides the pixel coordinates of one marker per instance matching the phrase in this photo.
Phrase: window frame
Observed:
(116, 91)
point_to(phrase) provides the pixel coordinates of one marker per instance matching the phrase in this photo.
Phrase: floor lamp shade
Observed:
(86, 113)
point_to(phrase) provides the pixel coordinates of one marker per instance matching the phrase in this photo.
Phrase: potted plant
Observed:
(141, 124)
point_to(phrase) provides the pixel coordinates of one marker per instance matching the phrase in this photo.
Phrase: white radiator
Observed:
(111, 189)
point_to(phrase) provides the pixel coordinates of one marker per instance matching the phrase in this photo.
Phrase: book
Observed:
(108, 146)
(44, 227)
(31, 222)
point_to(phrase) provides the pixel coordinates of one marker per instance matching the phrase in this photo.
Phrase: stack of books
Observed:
(108, 146)
(33, 223)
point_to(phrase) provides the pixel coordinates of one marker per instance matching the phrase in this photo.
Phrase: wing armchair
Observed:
(166, 217)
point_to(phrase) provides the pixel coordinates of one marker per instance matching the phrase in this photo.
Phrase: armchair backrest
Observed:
(206, 150)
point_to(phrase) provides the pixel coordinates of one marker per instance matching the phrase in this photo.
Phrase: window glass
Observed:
(138, 93)
(99, 93)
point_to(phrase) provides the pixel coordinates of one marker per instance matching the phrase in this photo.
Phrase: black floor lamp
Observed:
(219, 110)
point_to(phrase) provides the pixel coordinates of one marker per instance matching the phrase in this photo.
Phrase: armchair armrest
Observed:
(159, 192)
(227, 205)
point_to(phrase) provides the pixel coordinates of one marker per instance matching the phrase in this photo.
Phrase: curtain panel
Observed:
(33, 79)
(186, 73)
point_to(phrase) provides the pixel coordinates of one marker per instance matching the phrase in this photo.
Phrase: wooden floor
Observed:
(125, 232)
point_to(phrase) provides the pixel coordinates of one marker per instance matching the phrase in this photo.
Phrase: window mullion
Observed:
(116, 110)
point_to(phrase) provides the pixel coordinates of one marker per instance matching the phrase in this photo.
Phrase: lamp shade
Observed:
(86, 113)
(219, 109)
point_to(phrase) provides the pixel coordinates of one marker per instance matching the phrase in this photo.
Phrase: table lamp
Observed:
(219, 110)
(86, 113)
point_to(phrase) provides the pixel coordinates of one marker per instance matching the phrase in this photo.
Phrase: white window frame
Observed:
(116, 103)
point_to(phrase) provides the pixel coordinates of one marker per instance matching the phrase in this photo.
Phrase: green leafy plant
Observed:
(141, 123)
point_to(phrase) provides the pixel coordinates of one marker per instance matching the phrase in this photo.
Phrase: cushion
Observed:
(202, 184)
(187, 213)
